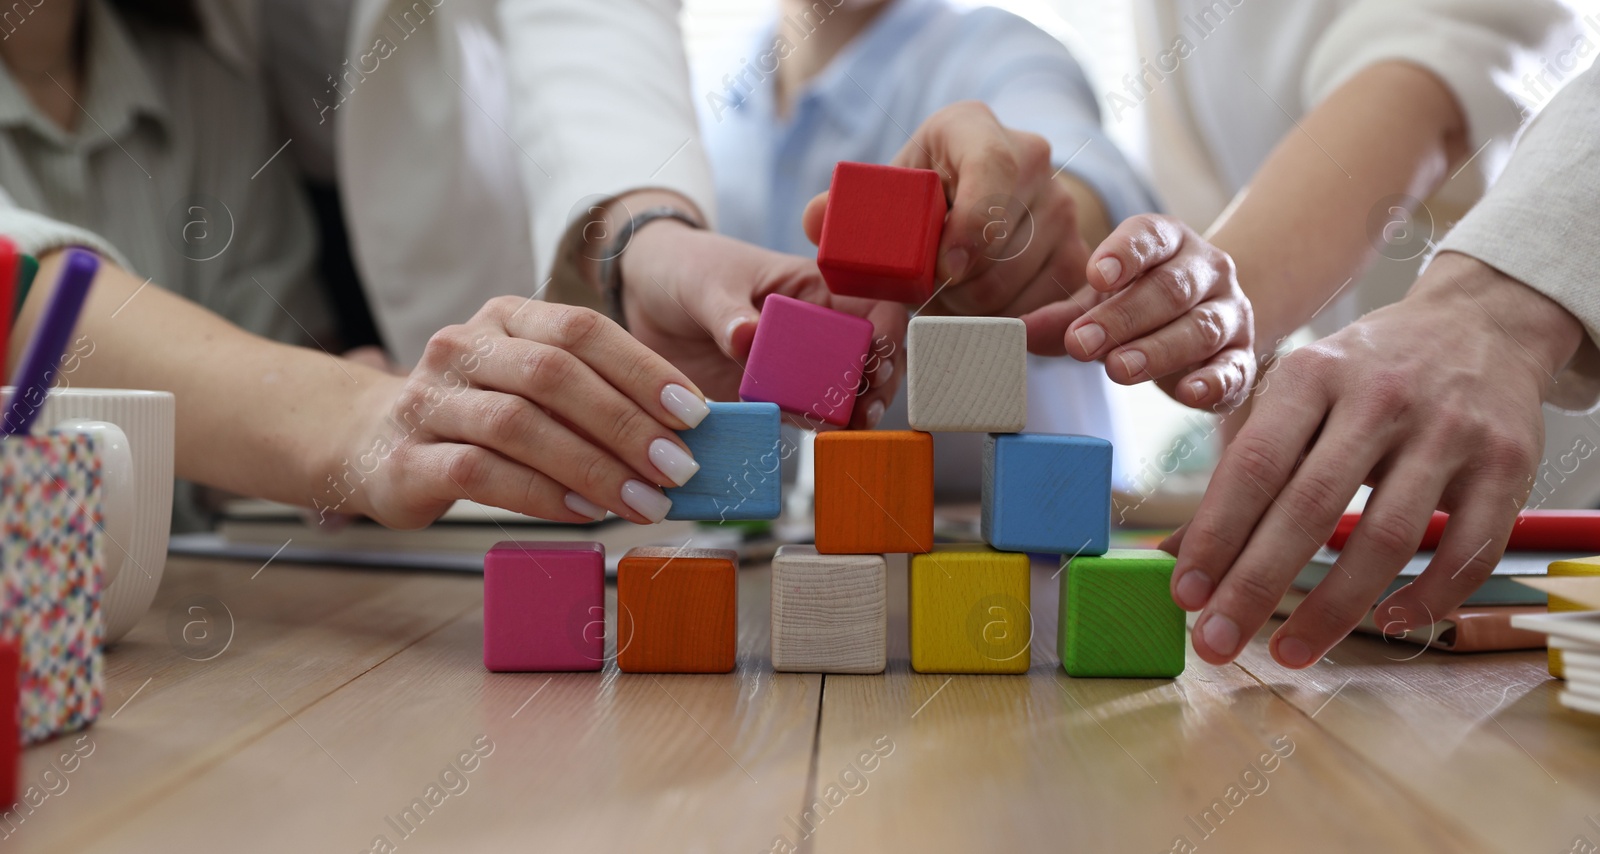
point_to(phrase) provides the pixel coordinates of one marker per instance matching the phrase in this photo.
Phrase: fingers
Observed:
(811, 219)
(448, 472)
(1220, 386)
(1047, 326)
(1473, 542)
(1391, 528)
(649, 380)
(1301, 517)
(1194, 337)
(1137, 245)
(571, 390)
(520, 431)
(1251, 472)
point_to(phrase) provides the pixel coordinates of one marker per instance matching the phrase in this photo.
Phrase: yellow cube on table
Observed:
(1581, 566)
(970, 611)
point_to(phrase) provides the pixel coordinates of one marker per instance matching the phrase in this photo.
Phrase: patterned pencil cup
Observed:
(51, 560)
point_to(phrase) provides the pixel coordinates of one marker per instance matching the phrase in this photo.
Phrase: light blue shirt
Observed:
(916, 58)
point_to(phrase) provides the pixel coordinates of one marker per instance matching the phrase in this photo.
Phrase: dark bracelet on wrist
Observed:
(611, 261)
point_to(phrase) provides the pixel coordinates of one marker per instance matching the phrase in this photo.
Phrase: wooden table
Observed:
(343, 703)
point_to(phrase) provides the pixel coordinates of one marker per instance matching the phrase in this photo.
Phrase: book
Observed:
(1501, 588)
(1466, 629)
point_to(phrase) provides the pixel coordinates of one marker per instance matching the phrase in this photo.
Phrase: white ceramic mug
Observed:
(138, 506)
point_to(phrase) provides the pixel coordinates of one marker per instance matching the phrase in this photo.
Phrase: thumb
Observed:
(732, 322)
(812, 218)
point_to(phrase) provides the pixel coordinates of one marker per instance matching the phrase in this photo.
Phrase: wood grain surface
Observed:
(967, 374)
(829, 612)
(343, 701)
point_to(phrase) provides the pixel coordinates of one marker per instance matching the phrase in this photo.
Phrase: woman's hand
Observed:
(694, 296)
(1162, 304)
(549, 410)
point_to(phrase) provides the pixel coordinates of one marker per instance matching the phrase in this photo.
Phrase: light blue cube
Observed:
(737, 446)
(1047, 493)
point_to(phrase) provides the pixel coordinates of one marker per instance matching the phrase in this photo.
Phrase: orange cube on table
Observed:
(874, 492)
(677, 610)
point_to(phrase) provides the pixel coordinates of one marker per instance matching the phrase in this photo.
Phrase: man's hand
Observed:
(1162, 304)
(694, 297)
(1434, 402)
(1011, 240)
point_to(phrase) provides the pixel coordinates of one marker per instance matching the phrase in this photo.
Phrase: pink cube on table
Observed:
(544, 606)
(807, 359)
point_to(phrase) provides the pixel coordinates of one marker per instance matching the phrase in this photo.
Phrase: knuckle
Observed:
(1252, 594)
(505, 419)
(1257, 458)
(1034, 150)
(467, 466)
(1313, 496)
(502, 306)
(1388, 392)
(593, 475)
(631, 421)
(448, 343)
(571, 326)
(1504, 453)
(1175, 284)
(548, 369)
(1210, 328)
(1391, 533)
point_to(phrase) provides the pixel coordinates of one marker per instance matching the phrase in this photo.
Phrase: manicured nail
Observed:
(955, 262)
(584, 507)
(1110, 269)
(885, 371)
(1194, 590)
(1090, 337)
(1221, 635)
(1134, 361)
(1293, 652)
(874, 414)
(733, 328)
(685, 404)
(646, 499)
(1199, 389)
(673, 461)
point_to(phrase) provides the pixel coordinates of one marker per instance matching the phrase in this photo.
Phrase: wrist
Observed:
(1537, 325)
(344, 461)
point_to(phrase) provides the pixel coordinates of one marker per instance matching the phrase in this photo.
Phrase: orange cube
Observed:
(677, 610)
(874, 492)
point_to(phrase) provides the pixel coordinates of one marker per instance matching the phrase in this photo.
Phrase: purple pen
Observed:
(43, 354)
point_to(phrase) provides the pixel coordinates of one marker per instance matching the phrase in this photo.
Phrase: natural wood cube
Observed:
(1581, 566)
(1117, 617)
(677, 610)
(874, 492)
(830, 613)
(880, 232)
(970, 611)
(739, 456)
(544, 606)
(967, 374)
(807, 359)
(1047, 493)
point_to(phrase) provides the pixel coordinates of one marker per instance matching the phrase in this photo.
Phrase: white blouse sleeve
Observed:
(1489, 53)
(601, 101)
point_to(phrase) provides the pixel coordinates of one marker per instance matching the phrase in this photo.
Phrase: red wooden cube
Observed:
(807, 359)
(880, 233)
(10, 730)
(544, 606)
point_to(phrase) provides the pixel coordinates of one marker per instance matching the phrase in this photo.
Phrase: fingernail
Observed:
(1090, 337)
(673, 461)
(955, 262)
(1194, 590)
(685, 404)
(874, 414)
(584, 507)
(646, 500)
(1293, 652)
(1134, 361)
(733, 328)
(1221, 635)
(1110, 269)
(885, 372)
(1199, 389)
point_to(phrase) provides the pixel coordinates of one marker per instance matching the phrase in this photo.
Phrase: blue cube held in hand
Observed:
(1047, 493)
(737, 447)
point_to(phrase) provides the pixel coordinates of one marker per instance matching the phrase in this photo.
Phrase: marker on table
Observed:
(9, 262)
(42, 357)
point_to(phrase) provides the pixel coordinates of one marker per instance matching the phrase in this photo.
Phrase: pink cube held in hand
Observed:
(544, 606)
(880, 232)
(807, 359)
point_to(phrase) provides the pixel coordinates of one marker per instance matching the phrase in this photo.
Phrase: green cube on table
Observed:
(1117, 617)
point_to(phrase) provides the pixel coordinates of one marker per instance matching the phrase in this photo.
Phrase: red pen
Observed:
(8, 299)
(1535, 531)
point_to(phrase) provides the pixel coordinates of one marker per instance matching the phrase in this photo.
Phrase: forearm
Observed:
(253, 416)
(1299, 231)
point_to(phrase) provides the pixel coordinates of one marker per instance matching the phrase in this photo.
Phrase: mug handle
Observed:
(117, 487)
